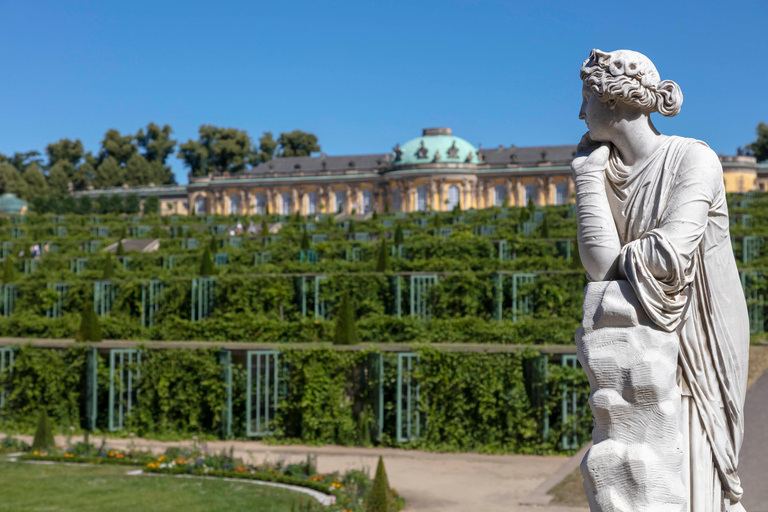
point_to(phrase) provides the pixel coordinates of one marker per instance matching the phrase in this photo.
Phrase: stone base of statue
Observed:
(636, 462)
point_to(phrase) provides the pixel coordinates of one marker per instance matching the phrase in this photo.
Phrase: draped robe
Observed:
(672, 220)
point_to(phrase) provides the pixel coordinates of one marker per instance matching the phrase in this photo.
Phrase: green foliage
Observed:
(120, 249)
(43, 433)
(304, 240)
(90, 327)
(216, 150)
(760, 146)
(379, 500)
(345, 329)
(267, 147)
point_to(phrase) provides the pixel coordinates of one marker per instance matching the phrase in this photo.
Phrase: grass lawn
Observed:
(97, 488)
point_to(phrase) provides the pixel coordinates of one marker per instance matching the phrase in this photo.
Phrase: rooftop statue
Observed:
(665, 335)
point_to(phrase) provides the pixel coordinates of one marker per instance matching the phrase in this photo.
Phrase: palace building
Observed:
(437, 171)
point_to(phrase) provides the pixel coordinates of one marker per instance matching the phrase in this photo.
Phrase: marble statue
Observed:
(665, 335)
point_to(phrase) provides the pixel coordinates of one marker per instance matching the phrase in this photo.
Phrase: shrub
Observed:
(44, 433)
(90, 329)
(379, 499)
(382, 257)
(206, 264)
(120, 249)
(109, 270)
(8, 270)
(345, 331)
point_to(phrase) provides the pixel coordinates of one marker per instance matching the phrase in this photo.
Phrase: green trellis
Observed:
(262, 258)
(91, 390)
(750, 248)
(8, 295)
(262, 382)
(420, 303)
(225, 360)
(569, 406)
(408, 412)
(752, 283)
(521, 304)
(104, 293)
(376, 376)
(221, 259)
(151, 293)
(56, 310)
(203, 297)
(78, 265)
(124, 373)
(535, 373)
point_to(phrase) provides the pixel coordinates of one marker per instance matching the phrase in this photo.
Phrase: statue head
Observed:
(629, 79)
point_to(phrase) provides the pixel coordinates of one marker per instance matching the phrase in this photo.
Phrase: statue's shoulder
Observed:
(698, 157)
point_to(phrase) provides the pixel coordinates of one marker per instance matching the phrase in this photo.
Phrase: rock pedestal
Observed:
(636, 462)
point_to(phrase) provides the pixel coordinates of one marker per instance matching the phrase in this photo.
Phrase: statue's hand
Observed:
(591, 157)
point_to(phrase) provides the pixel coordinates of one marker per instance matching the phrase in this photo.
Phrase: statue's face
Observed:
(598, 116)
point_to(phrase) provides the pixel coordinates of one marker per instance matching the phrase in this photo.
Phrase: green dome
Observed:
(436, 145)
(9, 203)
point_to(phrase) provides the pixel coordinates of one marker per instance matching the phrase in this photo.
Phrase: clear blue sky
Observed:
(364, 75)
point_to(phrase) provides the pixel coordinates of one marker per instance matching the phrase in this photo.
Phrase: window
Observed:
(560, 193)
(338, 206)
(498, 195)
(367, 201)
(530, 194)
(285, 203)
(453, 197)
(200, 205)
(396, 200)
(258, 204)
(234, 204)
(421, 198)
(311, 203)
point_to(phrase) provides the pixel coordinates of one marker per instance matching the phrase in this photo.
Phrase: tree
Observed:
(305, 240)
(21, 160)
(206, 263)
(379, 499)
(151, 205)
(58, 178)
(12, 181)
(109, 173)
(382, 260)
(132, 204)
(157, 146)
(760, 146)
(138, 171)
(90, 329)
(35, 180)
(298, 143)
(119, 147)
(84, 205)
(267, 148)
(66, 150)
(399, 235)
(44, 433)
(544, 229)
(264, 228)
(345, 329)
(216, 150)
(120, 249)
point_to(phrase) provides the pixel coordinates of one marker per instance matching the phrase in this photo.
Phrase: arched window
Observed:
(200, 205)
(311, 203)
(421, 198)
(453, 197)
(530, 194)
(498, 195)
(338, 206)
(367, 201)
(285, 203)
(258, 204)
(561, 190)
(395, 200)
(234, 204)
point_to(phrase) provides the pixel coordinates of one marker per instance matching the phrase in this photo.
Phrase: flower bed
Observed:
(351, 489)
(13, 445)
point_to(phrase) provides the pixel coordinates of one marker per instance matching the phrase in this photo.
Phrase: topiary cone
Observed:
(44, 433)
(379, 498)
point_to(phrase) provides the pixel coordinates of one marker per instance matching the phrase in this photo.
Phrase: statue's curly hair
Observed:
(630, 77)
